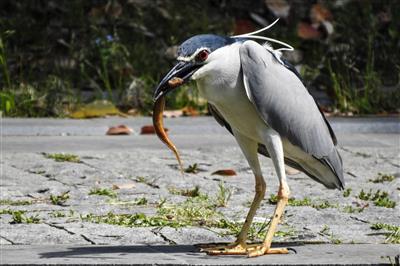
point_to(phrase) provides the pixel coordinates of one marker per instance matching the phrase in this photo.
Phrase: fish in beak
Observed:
(177, 76)
(182, 70)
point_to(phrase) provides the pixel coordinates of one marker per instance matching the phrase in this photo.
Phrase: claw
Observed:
(251, 250)
(260, 250)
(226, 249)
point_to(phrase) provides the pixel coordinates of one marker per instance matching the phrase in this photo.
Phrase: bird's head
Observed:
(193, 54)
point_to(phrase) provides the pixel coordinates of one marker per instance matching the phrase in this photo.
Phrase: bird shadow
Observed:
(111, 252)
(116, 251)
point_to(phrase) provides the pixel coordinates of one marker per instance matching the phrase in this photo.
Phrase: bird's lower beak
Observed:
(182, 71)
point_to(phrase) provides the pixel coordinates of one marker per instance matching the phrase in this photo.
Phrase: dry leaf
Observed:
(224, 172)
(307, 31)
(123, 186)
(119, 130)
(148, 129)
(319, 14)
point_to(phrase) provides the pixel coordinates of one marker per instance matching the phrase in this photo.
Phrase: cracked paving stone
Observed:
(105, 234)
(192, 235)
(29, 234)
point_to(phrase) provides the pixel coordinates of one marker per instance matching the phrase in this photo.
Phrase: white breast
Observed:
(221, 83)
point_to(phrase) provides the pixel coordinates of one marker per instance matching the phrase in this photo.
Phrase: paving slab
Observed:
(368, 254)
(35, 228)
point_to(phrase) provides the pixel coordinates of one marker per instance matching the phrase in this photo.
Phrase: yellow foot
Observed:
(251, 250)
(225, 249)
(259, 250)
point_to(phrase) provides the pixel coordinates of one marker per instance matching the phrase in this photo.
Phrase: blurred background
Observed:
(95, 57)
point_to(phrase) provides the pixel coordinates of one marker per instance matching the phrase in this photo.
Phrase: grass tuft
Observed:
(392, 232)
(194, 192)
(15, 202)
(380, 198)
(63, 157)
(273, 199)
(19, 217)
(59, 199)
(103, 192)
(383, 178)
(223, 196)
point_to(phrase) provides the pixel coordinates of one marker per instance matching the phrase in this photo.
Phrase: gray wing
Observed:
(261, 147)
(285, 105)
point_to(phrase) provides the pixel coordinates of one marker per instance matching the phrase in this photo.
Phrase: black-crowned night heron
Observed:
(262, 101)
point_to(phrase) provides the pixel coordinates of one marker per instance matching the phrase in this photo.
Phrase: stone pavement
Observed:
(124, 202)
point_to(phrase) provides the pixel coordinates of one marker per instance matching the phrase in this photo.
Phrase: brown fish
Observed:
(158, 121)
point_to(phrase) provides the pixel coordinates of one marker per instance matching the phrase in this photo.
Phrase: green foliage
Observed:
(139, 201)
(326, 231)
(103, 192)
(347, 192)
(380, 198)
(192, 169)
(383, 178)
(223, 196)
(357, 209)
(273, 199)
(63, 157)
(58, 55)
(59, 199)
(392, 234)
(15, 202)
(194, 192)
(19, 217)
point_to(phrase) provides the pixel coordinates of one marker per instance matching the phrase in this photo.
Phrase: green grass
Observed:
(138, 202)
(327, 232)
(59, 199)
(380, 198)
(347, 192)
(103, 192)
(392, 232)
(193, 192)
(19, 217)
(383, 178)
(63, 157)
(15, 202)
(144, 180)
(194, 211)
(273, 199)
(223, 196)
(192, 169)
(58, 214)
(351, 209)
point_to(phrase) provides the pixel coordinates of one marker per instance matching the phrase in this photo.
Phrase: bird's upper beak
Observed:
(182, 70)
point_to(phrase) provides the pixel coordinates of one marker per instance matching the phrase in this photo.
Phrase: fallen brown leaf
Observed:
(123, 186)
(319, 13)
(119, 130)
(224, 172)
(149, 129)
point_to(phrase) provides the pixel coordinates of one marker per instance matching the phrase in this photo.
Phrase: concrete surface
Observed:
(368, 147)
(188, 255)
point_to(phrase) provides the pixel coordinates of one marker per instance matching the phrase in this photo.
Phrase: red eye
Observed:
(202, 55)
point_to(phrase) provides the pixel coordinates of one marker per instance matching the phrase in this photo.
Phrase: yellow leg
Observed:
(239, 247)
(265, 247)
(274, 146)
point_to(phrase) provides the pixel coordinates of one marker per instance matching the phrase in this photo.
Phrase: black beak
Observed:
(183, 70)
